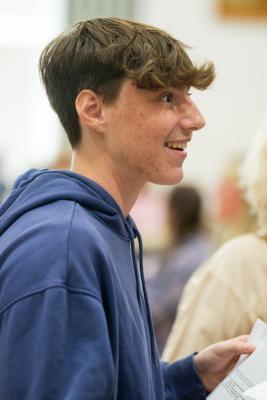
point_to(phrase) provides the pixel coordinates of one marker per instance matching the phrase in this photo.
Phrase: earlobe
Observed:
(89, 107)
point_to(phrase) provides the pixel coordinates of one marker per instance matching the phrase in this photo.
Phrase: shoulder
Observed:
(233, 252)
(50, 246)
(58, 225)
(235, 261)
(245, 242)
(90, 252)
(239, 252)
(85, 226)
(33, 252)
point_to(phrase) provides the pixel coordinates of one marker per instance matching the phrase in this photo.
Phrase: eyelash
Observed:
(171, 96)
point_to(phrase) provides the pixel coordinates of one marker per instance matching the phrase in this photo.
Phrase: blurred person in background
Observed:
(189, 245)
(75, 320)
(233, 216)
(226, 295)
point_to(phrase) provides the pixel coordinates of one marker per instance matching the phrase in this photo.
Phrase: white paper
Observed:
(258, 392)
(249, 371)
(258, 336)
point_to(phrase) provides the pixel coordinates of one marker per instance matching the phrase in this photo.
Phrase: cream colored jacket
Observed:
(223, 298)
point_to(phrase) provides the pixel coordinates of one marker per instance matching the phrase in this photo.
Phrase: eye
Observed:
(167, 98)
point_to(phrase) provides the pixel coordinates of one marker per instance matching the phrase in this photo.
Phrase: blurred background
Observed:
(231, 33)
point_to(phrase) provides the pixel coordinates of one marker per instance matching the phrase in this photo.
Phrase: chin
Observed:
(170, 180)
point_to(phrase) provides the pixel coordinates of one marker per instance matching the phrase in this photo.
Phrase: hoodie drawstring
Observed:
(143, 287)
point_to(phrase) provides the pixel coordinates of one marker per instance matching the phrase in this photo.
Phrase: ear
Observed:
(89, 107)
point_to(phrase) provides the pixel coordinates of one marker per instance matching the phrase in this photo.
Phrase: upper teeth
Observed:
(176, 145)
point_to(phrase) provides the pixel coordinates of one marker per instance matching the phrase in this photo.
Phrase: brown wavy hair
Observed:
(100, 54)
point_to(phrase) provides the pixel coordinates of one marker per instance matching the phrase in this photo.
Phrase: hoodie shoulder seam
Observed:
(68, 240)
(39, 290)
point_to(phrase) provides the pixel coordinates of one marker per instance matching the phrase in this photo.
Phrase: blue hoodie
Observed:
(74, 317)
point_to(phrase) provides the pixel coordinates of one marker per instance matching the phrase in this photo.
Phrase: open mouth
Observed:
(178, 146)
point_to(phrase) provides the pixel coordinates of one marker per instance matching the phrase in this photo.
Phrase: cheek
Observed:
(143, 134)
(134, 129)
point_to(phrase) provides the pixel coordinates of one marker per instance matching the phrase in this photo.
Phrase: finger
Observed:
(235, 347)
(243, 338)
(237, 339)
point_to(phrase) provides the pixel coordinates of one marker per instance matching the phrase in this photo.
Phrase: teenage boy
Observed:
(75, 321)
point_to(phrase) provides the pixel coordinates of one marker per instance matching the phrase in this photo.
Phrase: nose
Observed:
(192, 119)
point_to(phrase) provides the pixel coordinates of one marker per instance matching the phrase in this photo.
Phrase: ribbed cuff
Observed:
(182, 381)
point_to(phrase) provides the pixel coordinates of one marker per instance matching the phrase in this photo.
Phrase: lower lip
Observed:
(181, 155)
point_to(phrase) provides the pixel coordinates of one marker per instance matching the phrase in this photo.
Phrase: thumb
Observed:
(236, 346)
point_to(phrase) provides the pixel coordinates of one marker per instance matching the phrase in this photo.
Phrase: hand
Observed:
(215, 362)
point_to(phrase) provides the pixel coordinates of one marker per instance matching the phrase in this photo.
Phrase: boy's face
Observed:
(147, 132)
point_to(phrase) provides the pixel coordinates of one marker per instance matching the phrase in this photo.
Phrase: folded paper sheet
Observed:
(249, 371)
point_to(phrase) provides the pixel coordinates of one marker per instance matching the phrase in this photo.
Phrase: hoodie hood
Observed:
(36, 188)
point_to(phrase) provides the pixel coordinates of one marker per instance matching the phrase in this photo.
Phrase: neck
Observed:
(124, 192)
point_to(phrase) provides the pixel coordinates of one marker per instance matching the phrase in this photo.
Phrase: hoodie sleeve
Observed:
(181, 381)
(50, 350)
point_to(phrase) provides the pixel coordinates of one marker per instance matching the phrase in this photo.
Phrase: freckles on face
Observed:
(139, 126)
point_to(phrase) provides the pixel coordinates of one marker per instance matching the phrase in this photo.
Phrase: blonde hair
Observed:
(254, 176)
